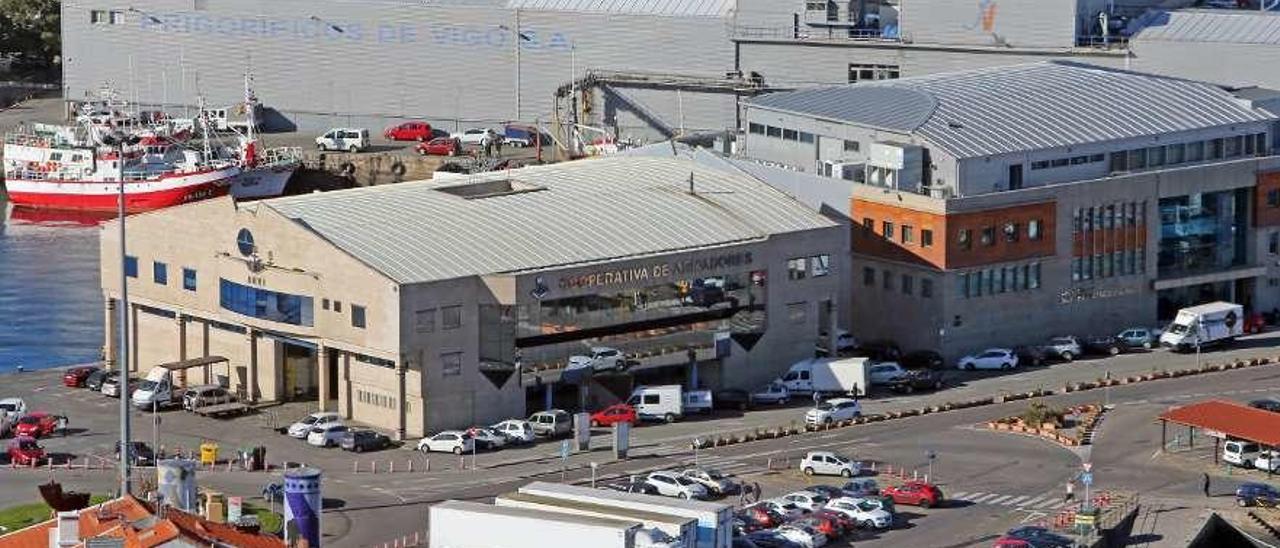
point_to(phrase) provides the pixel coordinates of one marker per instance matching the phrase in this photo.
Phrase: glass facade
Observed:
(1202, 232)
(265, 304)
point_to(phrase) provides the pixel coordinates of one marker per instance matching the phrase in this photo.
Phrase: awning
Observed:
(1230, 419)
(193, 362)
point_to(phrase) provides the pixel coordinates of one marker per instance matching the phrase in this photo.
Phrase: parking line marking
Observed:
(1034, 501)
(984, 498)
(959, 495)
(1000, 499)
(1016, 501)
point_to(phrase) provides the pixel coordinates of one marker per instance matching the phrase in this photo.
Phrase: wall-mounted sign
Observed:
(1081, 294)
(657, 271)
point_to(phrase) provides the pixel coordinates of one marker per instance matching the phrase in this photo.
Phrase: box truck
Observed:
(1204, 325)
(684, 530)
(715, 520)
(156, 391)
(829, 376)
(665, 402)
(462, 524)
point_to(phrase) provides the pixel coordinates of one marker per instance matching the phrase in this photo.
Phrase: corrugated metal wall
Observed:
(1018, 23)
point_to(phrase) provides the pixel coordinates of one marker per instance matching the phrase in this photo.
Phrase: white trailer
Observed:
(461, 524)
(664, 402)
(715, 520)
(682, 529)
(1204, 325)
(829, 376)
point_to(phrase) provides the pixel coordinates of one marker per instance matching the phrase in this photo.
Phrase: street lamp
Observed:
(118, 140)
(519, 37)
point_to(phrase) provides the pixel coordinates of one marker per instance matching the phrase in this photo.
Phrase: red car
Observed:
(35, 425)
(1254, 323)
(76, 376)
(842, 520)
(440, 146)
(619, 412)
(827, 526)
(917, 493)
(25, 451)
(408, 131)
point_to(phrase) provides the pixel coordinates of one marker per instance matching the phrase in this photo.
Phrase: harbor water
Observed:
(50, 295)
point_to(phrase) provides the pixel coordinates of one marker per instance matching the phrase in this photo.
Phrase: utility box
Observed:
(895, 165)
(582, 431)
(621, 439)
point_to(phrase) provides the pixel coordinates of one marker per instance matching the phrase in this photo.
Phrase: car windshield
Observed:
(715, 474)
(8, 407)
(147, 386)
(1177, 329)
(29, 420)
(819, 499)
(309, 420)
(866, 506)
(683, 480)
(824, 407)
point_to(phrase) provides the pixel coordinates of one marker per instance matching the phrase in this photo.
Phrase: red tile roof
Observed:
(1230, 418)
(120, 518)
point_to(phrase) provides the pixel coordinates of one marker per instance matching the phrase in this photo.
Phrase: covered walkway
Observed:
(1222, 420)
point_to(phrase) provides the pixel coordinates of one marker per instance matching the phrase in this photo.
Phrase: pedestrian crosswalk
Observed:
(1047, 501)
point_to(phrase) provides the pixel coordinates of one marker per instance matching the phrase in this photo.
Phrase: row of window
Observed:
(863, 72)
(373, 398)
(1071, 161)
(424, 320)
(1120, 214)
(995, 281)
(1199, 151)
(907, 282)
(780, 133)
(1107, 265)
(816, 266)
(1010, 231)
(907, 232)
(160, 273)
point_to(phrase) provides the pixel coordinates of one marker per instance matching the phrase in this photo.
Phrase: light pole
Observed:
(519, 37)
(118, 140)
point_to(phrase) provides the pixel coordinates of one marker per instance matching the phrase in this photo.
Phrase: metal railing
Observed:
(806, 33)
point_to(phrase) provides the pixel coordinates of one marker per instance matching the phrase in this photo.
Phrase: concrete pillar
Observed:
(182, 336)
(402, 419)
(548, 393)
(323, 374)
(133, 337)
(346, 383)
(251, 391)
(112, 324)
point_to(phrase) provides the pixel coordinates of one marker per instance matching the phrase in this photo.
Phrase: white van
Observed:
(1240, 453)
(349, 139)
(154, 392)
(665, 402)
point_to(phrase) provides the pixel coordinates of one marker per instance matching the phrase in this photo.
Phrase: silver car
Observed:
(1066, 348)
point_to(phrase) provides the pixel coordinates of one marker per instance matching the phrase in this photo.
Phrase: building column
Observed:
(133, 337)
(346, 384)
(400, 391)
(323, 357)
(181, 320)
(109, 350)
(251, 391)
(547, 397)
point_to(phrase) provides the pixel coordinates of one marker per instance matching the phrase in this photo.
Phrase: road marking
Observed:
(959, 495)
(1016, 501)
(1034, 501)
(983, 498)
(1001, 499)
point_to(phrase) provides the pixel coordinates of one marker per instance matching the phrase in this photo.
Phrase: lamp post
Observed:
(117, 141)
(518, 37)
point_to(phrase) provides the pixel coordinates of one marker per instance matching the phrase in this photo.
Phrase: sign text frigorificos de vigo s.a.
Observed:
(657, 271)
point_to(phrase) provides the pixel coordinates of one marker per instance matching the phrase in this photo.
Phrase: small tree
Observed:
(1039, 414)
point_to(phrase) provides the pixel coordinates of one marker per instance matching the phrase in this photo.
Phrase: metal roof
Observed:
(1230, 418)
(674, 8)
(1233, 26)
(1027, 107)
(560, 215)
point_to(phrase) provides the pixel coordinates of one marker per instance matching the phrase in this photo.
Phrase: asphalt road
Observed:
(999, 479)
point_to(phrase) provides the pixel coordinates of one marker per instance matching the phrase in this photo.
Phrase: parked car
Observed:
(520, 137)
(915, 493)
(828, 463)
(844, 524)
(772, 393)
(440, 146)
(36, 425)
(833, 410)
(1030, 355)
(829, 491)
(844, 341)
(731, 398)
(1266, 405)
(861, 487)
(602, 358)
(94, 380)
(75, 377)
(303, 426)
(408, 131)
(618, 412)
(327, 435)
(770, 539)
(1140, 337)
(991, 358)
(12, 408)
(758, 516)
(486, 439)
(829, 527)
(517, 431)
(556, 422)
(635, 485)
(111, 385)
(476, 136)
(807, 500)
(1254, 322)
(715, 481)
(1033, 537)
(885, 372)
(1257, 494)
(140, 453)
(205, 395)
(806, 536)
(788, 510)
(1267, 460)
(880, 350)
(670, 484)
(364, 440)
(698, 402)
(1240, 453)
(922, 359)
(352, 140)
(1105, 345)
(1064, 348)
(448, 441)
(25, 450)
(868, 515)
(917, 379)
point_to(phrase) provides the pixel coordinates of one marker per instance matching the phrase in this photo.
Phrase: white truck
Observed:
(1204, 325)
(462, 524)
(682, 529)
(715, 520)
(664, 402)
(156, 391)
(850, 376)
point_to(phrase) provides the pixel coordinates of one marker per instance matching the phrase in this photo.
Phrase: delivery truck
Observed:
(1204, 325)
(156, 391)
(715, 520)
(462, 524)
(681, 529)
(849, 376)
(665, 402)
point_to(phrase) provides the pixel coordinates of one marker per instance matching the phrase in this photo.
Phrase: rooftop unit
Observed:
(899, 166)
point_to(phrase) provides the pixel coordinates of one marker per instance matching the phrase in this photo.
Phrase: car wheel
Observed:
(846, 473)
(457, 450)
(1113, 350)
(783, 401)
(359, 448)
(908, 388)
(1006, 365)
(866, 524)
(669, 417)
(808, 471)
(1146, 345)
(1068, 356)
(320, 147)
(684, 495)
(353, 149)
(1242, 502)
(937, 385)
(924, 503)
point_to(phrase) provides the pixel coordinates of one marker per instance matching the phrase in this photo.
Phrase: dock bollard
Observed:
(373, 466)
(391, 465)
(873, 467)
(410, 466)
(462, 462)
(355, 466)
(428, 465)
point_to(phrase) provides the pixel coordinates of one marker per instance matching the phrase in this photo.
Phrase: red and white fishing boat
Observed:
(264, 171)
(45, 171)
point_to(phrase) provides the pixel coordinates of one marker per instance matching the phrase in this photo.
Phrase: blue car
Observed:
(1256, 494)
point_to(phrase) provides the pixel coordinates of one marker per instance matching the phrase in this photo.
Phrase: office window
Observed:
(1119, 161)
(1034, 277)
(1261, 144)
(1250, 145)
(424, 321)
(1098, 268)
(265, 304)
(337, 306)
(886, 230)
(755, 129)
(988, 235)
(1019, 278)
(862, 72)
(796, 312)
(964, 238)
(976, 282)
(1233, 146)
(1195, 151)
(989, 276)
(130, 266)
(908, 284)
(821, 265)
(806, 137)
(773, 131)
(451, 317)
(790, 134)
(1033, 230)
(451, 364)
(851, 146)
(1138, 158)
(104, 17)
(1001, 279)
(1077, 222)
(926, 288)
(1216, 149)
(868, 276)
(324, 303)
(189, 279)
(1273, 197)
(1038, 165)
(1120, 264)
(1060, 162)
(1111, 217)
(1155, 156)
(926, 238)
(869, 224)
(908, 234)
(1010, 231)
(357, 316)
(1174, 154)
(160, 272)
(1273, 243)
(888, 280)
(1075, 269)
(962, 285)
(797, 268)
(1142, 260)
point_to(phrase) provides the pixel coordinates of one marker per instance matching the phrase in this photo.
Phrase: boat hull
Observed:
(102, 196)
(262, 182)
